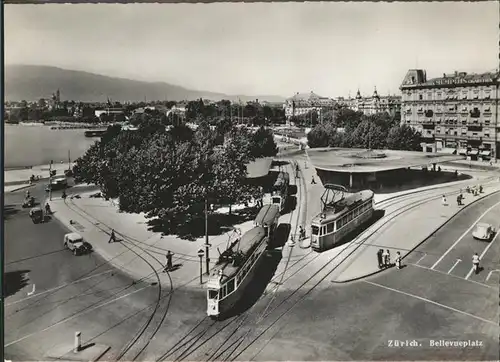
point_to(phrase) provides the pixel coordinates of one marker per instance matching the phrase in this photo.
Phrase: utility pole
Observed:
(50, 180)
(207, 245)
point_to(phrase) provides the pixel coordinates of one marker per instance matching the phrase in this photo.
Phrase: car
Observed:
(36, 215)
(76, 244)
(484, 232)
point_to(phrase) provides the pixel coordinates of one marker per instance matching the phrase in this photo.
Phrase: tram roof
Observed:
(267, 215)
(352, 160)
(245, 244)
(343, 205)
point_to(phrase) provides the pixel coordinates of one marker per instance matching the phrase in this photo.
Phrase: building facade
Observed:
(303, 103)
(374, 104)
(457, 111)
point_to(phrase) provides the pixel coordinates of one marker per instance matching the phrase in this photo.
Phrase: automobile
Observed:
(75, 243)
(483, 231)
(36, 215)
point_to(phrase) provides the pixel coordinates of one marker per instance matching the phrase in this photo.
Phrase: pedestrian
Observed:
(112, 237)
(27, 194)
(398, 260)
(385, 258)
(475, 262)
(313, 181)
(444, 201)
(302, 233)
(168, 265)
(379, 258)
(439, 168)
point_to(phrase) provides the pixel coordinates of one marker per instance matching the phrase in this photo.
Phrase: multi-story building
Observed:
(303, 103)
(374, 104)
(454, 112)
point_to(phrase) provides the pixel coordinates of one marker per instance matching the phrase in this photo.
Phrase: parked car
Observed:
(75, 243)
(36, 215)
(484, 232)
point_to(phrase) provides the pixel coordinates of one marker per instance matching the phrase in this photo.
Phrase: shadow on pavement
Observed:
(254, 290)
(9, 210)
(290, 205)
(281, 235)
(292, 190)
(14, 281)
(279, 163)
(217, 224)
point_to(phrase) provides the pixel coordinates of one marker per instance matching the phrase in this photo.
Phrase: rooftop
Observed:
(361, 160)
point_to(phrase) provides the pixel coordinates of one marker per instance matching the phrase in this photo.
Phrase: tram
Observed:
(340, 217)
(279, 192)
(237, 264)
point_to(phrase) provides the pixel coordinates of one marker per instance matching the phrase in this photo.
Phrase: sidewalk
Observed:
(424, 221)
(22, 175)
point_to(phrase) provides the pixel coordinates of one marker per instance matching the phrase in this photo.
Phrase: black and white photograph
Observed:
(265, 181)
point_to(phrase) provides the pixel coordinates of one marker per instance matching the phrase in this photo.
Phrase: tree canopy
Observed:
(168, 175)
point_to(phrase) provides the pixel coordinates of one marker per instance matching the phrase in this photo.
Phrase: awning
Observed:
(473, 152)
(448, 151)
(462, 151)
(485, 153)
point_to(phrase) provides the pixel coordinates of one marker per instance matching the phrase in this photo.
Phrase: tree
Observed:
(263, 144)
(347, 118)
(368, 135)
(319, 136)
(403, 138)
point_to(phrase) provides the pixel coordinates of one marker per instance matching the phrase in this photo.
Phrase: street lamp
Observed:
(207, 245)
(50, 180)
(200, 254)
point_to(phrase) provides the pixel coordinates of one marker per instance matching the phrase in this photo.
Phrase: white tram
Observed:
(340, 219)
(237, 264)
(279, 192)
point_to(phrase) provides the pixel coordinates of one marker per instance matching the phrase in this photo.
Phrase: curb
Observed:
(420, 243)
(19, 188)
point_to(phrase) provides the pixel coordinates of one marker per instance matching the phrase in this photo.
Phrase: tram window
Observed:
(212, 294)
(314, 230)
(330, 227)
(230, 286)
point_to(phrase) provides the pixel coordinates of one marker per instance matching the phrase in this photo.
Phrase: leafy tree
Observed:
(347, 118)
(263, 144)
(368, 135)
(403, 138)
(319, 136)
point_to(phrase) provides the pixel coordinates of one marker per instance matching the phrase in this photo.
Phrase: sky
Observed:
(259, 48)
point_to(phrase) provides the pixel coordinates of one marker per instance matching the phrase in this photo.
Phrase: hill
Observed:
(32, 82)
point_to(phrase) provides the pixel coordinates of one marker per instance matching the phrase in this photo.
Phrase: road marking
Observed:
(491, 272)
(463, 235)
(59, 287)
(419, 260)
(74, 316)
(454, 265)
(32, 291)
(482, 254)
(433, 302)
(454, 276)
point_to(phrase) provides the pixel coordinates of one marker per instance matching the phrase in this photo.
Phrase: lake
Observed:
(38, 145)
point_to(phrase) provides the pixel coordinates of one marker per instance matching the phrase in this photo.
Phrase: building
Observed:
(303, 103)
(455, 113)
(374, 104)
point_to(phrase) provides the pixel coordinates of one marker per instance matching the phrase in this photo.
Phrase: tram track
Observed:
(197, 338)
(142, 330)
(240, 339)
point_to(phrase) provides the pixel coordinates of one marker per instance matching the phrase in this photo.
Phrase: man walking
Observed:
(313, 181)
(379, 258)
(112, 237)
(168, 265)
(385, 258)
(398, 260)
(475, 263)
